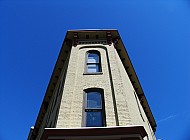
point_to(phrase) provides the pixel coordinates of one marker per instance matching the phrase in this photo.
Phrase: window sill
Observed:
(93, 73)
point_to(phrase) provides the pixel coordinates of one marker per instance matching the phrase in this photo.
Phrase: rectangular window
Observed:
(93, 62)
(94, 109)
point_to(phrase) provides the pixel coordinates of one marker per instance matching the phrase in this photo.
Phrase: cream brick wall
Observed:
(127, 104)
(127, 111)
(70, 114)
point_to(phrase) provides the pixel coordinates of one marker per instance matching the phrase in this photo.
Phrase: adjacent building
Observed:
(94, 93)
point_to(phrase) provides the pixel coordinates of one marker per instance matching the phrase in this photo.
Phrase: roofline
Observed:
(94, 30)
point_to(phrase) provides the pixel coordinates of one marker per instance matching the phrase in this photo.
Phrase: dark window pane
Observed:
(93, 119)
(93, 58)
(94, 100)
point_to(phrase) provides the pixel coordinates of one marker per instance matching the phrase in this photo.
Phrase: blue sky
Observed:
(156, 34)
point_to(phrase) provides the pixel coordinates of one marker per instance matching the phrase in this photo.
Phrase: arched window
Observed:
(94, 115)
(93, 63)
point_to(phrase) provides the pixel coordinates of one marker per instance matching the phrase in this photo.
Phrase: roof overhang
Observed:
(135, 132)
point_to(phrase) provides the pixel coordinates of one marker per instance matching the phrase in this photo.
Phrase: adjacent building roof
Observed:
(135, 132)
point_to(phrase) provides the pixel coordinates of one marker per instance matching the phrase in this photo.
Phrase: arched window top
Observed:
(93, 63)
(93, 51)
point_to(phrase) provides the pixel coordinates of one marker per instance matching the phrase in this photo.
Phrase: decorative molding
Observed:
(115, 40)
(81, 42)
(109, 38)
(75, 39)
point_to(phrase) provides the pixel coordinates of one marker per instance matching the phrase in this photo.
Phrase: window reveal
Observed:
(94, 109)
(93, 62)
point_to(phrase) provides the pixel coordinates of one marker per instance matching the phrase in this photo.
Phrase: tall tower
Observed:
(94, 93)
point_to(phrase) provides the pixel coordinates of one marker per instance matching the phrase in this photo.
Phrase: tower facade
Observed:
(94, 92)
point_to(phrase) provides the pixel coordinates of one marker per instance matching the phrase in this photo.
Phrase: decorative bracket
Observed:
(75, 39)
(115, 40)
(109, 38)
